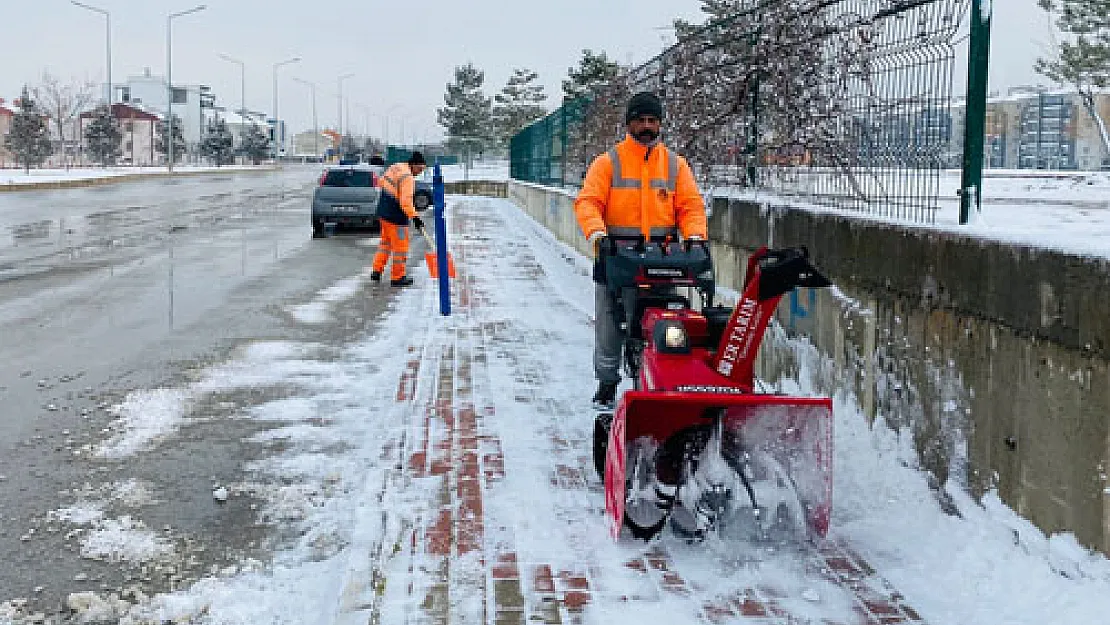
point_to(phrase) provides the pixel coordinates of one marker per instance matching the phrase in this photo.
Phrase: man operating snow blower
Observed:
(695, 445)
(637, 187)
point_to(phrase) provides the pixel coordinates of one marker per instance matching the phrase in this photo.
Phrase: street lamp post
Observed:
(315, 125)
(366, 114)
(108, 46)
(387, 112)
(169, 80)
(242, 100)
(279, 142)
(339, 104)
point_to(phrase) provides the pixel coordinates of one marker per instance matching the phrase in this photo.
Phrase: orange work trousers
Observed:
(395, 242)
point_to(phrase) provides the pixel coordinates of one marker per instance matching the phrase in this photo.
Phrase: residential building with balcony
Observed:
(1034, 128)
(190, 102)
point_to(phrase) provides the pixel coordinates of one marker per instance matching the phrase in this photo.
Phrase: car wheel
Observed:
(318, 231)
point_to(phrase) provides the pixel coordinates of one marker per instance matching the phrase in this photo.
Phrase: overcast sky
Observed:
(402, 60)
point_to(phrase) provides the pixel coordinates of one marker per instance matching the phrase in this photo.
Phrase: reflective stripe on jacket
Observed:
(636, 189)
(398, 187)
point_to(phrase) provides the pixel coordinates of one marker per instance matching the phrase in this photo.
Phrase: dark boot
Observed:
(402, 281)
(606, 396)
(376, 276)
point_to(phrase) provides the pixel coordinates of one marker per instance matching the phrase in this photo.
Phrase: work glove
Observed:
(595, 240)
(418, 223)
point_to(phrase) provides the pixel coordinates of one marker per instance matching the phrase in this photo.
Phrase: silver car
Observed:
(347, 196)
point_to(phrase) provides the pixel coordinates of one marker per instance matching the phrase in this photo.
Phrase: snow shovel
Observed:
(431, 259)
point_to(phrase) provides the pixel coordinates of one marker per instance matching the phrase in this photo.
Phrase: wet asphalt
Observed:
(138, 285)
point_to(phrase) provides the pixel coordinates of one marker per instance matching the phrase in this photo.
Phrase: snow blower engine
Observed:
(695, 445)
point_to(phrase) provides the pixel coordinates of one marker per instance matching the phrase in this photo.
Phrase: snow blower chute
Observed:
(695, 445)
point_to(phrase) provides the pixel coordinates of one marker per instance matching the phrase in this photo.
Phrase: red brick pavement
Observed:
(452, 444)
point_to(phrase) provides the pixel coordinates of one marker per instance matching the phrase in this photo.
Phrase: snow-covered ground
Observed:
(520, 342)
(17, 177)
(481, 170)
(1065, 211)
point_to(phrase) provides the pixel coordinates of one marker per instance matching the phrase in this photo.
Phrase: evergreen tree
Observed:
(1083, 60)
(29, 138)
(103, 135)
(467, 116)
(519, 103)
(218, 143)
(255, 144)
(178, 139)
(593, 71)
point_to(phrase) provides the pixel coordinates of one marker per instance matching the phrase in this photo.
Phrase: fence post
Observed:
(439, 201)
(975, 121)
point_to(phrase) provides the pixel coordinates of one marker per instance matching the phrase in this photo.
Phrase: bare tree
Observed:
(63, 102)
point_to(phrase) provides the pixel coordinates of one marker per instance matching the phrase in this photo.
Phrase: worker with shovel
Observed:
(395, 211)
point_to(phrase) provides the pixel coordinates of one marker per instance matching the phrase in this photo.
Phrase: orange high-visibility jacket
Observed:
(398, 187)
(631, 190)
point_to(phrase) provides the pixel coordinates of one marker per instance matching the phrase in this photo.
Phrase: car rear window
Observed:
(348, 178)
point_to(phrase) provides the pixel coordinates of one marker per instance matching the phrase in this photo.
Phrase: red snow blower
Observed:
(695, 446)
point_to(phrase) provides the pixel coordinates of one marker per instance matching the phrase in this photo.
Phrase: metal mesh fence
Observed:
(847, 103)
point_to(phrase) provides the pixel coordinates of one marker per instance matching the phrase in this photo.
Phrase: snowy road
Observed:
(437, 472)
(138, 287)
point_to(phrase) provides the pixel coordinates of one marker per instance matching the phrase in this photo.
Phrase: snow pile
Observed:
(146, 417)
(112, 540)
(318, 310)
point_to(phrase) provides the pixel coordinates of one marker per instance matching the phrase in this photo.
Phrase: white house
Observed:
(189, 102)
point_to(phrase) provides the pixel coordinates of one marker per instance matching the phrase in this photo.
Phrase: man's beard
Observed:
(646, 135)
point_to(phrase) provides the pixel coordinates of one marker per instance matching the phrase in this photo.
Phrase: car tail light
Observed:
(323, 177)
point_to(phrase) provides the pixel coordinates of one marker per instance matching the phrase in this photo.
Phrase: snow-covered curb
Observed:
(61, 179)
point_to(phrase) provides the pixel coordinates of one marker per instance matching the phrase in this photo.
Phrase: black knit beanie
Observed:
(644, 103)
(417, 158)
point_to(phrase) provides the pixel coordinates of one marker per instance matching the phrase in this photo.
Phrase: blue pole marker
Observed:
(440, 203)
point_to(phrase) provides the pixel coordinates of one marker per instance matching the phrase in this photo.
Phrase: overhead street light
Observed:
(242, 97)
(107, 45)
(279, 141)
(387, 112)
(339, 103)
(169, 80)
(315, 125)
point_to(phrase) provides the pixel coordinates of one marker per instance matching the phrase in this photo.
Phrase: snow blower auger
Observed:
(695, 445)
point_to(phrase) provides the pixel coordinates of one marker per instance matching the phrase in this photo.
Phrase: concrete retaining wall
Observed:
(994, 356)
